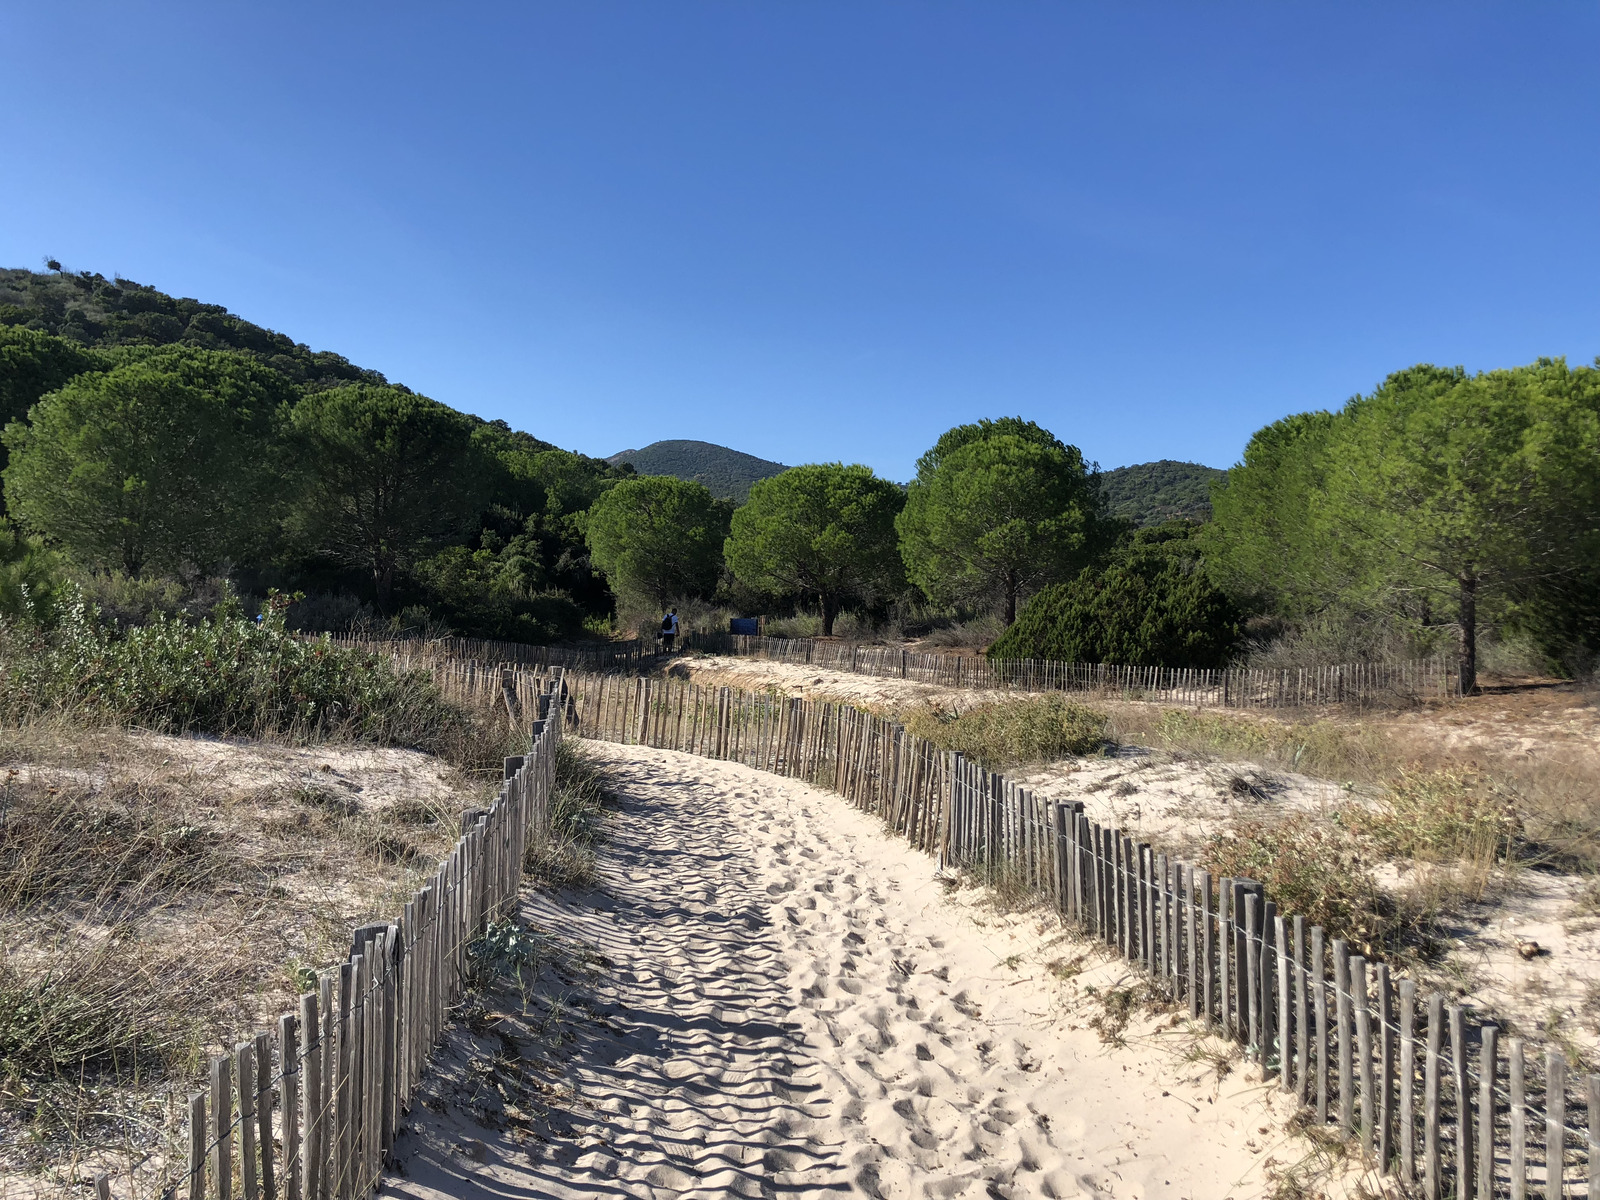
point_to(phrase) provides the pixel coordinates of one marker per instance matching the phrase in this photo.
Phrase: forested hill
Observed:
(280, 466)
(727, 473)
(1150, 493)
(92, 310)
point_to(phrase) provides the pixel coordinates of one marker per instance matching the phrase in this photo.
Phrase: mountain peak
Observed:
(727, 473)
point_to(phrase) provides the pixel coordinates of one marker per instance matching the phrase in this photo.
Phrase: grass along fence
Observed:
(1429, 1092)
(1232, 687)
(614, 656)
(309, 1111)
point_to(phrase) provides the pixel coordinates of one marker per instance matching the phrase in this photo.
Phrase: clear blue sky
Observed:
(831, 230)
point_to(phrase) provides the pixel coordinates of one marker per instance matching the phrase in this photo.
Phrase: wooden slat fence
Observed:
(1233, 687)
(308, 1110)
(1429, 1091)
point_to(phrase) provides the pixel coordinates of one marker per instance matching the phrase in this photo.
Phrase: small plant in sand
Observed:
(1311, 868)
(1118, 1006)
(577, 806)
(1006, 732)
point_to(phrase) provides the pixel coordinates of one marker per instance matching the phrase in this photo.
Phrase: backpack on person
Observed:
(666, 624)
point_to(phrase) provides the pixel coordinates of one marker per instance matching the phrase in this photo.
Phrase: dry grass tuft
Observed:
(1311, 868)
(1450, 818)
(160, 895)
(1008, 732)
(582, 793)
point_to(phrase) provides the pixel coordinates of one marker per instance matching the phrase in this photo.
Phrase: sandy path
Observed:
(795, 1005)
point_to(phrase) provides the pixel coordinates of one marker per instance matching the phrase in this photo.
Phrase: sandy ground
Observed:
(1549, 735)
(789, 1002)
(797, 679)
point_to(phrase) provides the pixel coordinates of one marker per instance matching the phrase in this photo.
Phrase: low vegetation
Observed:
(224, 675)
(160, 887)
(1008, 732)
(577, 807)
(1311, 868)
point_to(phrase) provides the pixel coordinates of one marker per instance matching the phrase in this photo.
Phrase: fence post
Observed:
(1341, 1011)
(245, 1055)
(1487, 1060)
(1207, 948)
(1458, 1079)
(1517, 1089)
(197, 1146)
(310, 1173)
(1555, 1122)
(222, 1126)
(1434, 1186)
(1363, 1015)
(269, 1181)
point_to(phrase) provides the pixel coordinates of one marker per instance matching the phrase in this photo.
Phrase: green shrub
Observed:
(1035, 729)
(1445, 816)
(1310, 868)
(226, 674)
(30, 575)
(1149, 610)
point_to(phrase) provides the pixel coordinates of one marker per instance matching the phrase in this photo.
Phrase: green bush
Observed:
(1149, 610)
(1036, 729)
(1310, 868)
(226, 674)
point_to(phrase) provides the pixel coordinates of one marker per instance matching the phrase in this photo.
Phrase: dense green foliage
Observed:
(1149, 605)
(728, 474)
(997, 510)
(658, 539)
(154, 435)
(386, 475)
(165, 462)
(1150, 493)
(1440, 499)
(88, 310)
(224, 675)
(29, 575)
(156, 446)
(824, 530)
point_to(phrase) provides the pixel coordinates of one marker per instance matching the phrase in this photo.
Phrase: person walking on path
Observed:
(669, 630)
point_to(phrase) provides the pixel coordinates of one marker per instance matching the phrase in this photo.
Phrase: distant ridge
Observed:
(727, 473)
(1153, 492)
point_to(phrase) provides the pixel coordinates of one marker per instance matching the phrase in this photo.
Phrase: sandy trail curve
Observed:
(796, 1006)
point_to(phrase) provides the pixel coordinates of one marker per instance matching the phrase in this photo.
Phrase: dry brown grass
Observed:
(1006, 732)
(162, 896)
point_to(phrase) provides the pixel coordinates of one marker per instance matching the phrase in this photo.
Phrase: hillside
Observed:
(488, 545)
(727, 473)
(1150, 493)
(87, 308)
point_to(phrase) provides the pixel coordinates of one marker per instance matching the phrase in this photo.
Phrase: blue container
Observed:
(748, 626)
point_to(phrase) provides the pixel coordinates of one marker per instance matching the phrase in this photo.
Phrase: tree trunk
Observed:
(383, 585)
(1011, 605)
(830, 610)
(1469, 633)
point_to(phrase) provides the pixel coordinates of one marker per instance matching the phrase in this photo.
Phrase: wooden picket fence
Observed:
(1232, 687)
(309, 1111)
(1430, 1091)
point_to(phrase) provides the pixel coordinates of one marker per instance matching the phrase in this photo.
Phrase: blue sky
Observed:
(832, 230)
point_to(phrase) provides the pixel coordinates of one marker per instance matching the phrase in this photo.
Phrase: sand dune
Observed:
(793, 1004)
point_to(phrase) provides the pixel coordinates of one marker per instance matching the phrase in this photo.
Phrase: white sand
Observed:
(795, 1005)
